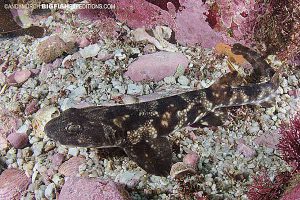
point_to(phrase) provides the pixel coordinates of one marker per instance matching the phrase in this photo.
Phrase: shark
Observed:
(142, 129)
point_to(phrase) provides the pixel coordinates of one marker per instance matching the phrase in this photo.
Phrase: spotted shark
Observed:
(141, 129)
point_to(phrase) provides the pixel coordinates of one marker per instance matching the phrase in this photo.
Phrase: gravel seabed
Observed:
(222, 172)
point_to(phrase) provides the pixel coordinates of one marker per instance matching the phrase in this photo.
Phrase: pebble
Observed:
(133, 89)
(73, 151)
(78, 92)
(183, 80)
(49, 192)
(37, 148)
(128, 178)
(170, 80)
(90, 51)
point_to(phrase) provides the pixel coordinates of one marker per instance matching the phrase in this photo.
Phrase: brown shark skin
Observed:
(9, 28)
(141, 128)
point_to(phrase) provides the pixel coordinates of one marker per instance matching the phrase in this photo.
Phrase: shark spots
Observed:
(146, 130)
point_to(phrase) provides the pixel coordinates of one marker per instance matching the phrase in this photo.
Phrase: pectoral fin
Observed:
(268, 103)
(154, 156)
(210, 119)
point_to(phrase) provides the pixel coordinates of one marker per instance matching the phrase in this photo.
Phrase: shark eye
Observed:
(73, 128)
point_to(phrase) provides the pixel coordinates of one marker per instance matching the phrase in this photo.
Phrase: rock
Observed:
(156, 66)
(90, 51)
(13, 182)
(41, 117)
(73, 151)
(191, 159)
(92, 188)
(18, 140)
(3, 143)
(71, 166)
(18, 77)
(52, 47)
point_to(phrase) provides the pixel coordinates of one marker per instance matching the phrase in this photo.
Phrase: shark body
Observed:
(140, 129)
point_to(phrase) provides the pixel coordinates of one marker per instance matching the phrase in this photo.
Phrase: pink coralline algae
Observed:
(192, 28)
(135, 13)
(92, 188)
(289, 143)
(156, 66)
(175, 14)
(239, 16)
(263, 188)
(140, 13)
(293, 194)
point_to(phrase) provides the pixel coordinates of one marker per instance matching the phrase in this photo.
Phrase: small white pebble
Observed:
(73, 151)
(50, 190)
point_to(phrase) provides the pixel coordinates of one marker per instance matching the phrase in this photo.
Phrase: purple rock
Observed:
(156, 66)
(92, 188)
(18, 77)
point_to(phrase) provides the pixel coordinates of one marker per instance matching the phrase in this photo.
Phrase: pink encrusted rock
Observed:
(156, 66)
(18, 140)
(13, 182)
(52, 48)
(92, 188)
(18, 77)
(192, 26)
(245, 150)
(141, 13)
(191, 159)
(71, 166)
